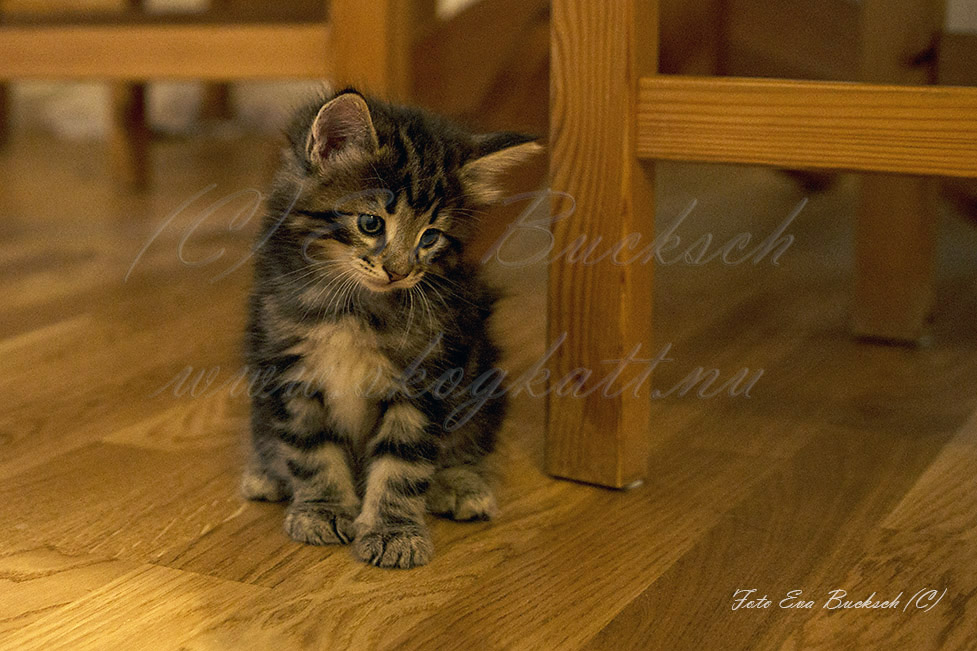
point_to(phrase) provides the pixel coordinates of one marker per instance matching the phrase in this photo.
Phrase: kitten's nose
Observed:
(393, 275)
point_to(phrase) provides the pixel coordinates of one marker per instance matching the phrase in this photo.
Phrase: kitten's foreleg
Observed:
(390, 530)
(324, 501)
(314, 460)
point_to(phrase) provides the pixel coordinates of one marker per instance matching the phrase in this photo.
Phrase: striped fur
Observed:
(378, 398)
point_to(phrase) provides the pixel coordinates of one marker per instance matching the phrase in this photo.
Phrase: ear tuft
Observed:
(495, 154)
(342, 127)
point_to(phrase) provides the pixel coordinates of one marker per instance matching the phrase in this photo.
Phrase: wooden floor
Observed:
(851, 466)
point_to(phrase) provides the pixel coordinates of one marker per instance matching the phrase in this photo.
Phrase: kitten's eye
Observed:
(370, 224)
(429, 237)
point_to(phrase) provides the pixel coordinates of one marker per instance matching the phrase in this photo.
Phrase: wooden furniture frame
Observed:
(612, 115)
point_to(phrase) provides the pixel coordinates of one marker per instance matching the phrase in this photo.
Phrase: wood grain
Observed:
(930, 529)
(810, 546)
(597, 53)
(35, 581)
(820, 125)
(153, 603)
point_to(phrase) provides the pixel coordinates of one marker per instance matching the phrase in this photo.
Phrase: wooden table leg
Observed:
(598, 313)
(372, 43)
(895, 239)
(897, 221)
(129, 129)
(216, 101)
(129, 135)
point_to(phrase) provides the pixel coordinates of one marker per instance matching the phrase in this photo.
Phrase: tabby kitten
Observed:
(378, 397)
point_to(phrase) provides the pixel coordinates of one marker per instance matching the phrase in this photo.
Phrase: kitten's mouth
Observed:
(381, 286)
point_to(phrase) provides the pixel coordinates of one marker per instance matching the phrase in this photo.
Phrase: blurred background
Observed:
(787, 38)
(82, 110)
(485, 62)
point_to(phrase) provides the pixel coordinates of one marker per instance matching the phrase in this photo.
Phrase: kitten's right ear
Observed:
(342, 128)
(494, 155)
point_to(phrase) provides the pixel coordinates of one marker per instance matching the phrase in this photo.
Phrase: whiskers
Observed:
(450, 287)
(415, 295)
(324, 287)
(331, 288)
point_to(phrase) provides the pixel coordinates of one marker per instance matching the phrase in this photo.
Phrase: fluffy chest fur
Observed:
(344, 362)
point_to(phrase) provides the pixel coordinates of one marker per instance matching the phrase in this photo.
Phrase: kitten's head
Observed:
(389, 193)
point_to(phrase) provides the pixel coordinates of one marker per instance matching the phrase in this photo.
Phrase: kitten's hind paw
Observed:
(318, 523)
(402, 548)
(461, 494)
(259, 486)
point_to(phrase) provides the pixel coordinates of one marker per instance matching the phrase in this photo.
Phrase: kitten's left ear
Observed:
(494, 155)
(341, 129)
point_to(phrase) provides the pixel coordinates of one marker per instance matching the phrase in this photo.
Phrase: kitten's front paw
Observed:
(403, 548)
(461, 494)
(317, 523)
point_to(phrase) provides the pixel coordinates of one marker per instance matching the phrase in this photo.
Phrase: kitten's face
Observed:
(383, 245)
(390, 197)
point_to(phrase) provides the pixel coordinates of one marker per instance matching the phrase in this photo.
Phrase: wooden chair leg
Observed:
(129, 136)
(598, 313)
(896, 229)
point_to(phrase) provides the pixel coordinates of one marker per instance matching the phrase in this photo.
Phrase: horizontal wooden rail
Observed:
(165, 51)
(807, 124)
